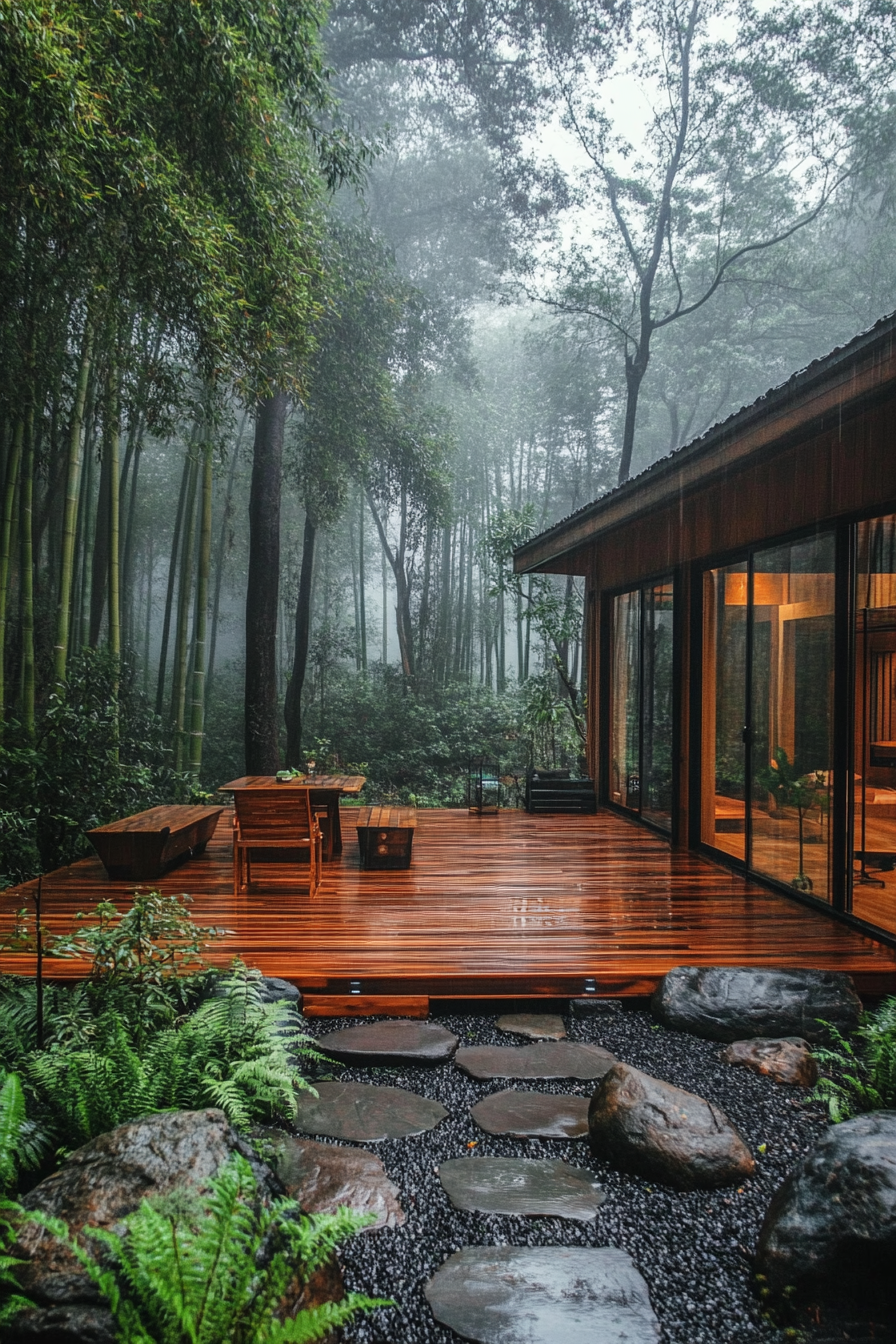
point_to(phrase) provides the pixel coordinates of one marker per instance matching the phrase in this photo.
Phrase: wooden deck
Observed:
(510, 906)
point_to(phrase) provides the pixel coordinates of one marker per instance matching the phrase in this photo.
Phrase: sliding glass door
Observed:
(641, 702)
(768, 676)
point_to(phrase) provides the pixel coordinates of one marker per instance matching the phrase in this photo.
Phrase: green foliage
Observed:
(234, 1052)
(205, 1268)
(417, 737)
(15, 1151)
(89, 764)
(863, 1069)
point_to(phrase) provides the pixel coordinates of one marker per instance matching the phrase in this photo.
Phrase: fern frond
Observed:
(315, 1322)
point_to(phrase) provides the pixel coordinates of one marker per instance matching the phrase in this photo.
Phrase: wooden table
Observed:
(326, 790)
(144, 845)
(385, 835)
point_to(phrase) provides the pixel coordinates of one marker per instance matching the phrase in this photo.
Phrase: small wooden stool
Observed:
(385, 835)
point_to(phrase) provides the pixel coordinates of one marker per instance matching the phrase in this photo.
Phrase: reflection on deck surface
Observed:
(511, 905)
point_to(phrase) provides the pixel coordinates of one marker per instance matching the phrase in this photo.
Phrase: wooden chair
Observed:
(280, 820)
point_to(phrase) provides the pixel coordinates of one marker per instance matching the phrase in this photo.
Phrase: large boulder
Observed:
(731, 1003)
(101, 1184)
(653, 1129)
(830, 1231)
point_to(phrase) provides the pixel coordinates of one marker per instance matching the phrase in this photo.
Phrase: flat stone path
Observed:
(543, 1295)
(515, 1185)
(366, 1114)
(323, 1177)
(395, 1042)
(538, 1026)
(532, 1115)
(547, 1059)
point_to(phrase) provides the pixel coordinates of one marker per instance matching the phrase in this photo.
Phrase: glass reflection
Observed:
(656, 773)
(723, 808)
(625, 701)
(874, 777)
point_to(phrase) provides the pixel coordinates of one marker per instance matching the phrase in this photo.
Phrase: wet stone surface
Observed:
(543, 1295)
(324, 1176)
(365, 1113)
(395, 1042)
(786, 1059)
(532, 1187)
(548, 1059)
(537, 1026)
(532, 1115)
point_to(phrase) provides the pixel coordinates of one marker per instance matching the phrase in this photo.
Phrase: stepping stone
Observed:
(548, 1059)
(366, 1114)
(397, 1042)
(532, 1115)
(537, 1026)
(542, 1295)
(524, 1186)
(323, 1177)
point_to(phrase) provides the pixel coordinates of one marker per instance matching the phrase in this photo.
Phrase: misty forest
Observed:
(308, 317)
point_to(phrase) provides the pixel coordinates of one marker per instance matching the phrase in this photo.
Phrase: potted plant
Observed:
(789, 789)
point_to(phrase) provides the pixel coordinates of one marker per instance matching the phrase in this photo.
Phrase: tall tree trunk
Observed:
(11, 486)
(147, 615)
(99, 583)
(362, 598)
(70, 510)
(226, 515)
(181, 634)
(262, 589)
(112, 451)
(197, 707)
(293, 701)
(26, 588)
(172, 579)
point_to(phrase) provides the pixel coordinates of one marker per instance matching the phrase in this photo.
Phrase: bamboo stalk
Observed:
(70, 508)
(197, 706)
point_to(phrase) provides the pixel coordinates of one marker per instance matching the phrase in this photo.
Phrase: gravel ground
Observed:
(693, 1249)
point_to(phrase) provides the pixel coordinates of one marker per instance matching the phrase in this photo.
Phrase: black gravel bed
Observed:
(694, 1249)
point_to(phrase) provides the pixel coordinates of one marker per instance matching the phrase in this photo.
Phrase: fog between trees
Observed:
(400, 315)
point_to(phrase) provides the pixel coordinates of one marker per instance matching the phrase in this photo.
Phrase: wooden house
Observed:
(741, 618)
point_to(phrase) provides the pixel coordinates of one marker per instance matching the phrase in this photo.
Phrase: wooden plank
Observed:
(365, 1005)
(512, 905)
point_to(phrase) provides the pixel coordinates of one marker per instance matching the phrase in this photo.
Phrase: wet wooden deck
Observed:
(510, 906)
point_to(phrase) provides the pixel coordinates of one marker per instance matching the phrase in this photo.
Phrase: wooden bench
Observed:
(143, 846)
(385, 836)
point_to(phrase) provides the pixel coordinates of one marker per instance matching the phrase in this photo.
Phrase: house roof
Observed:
(837, 383)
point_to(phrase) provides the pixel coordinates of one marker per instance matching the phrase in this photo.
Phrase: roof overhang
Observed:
(836, 386)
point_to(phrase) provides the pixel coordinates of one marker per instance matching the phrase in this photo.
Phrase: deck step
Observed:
(365, 1005)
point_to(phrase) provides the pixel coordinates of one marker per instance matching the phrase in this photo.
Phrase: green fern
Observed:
(14, 1153)
(202, 1269)
(862, 1073)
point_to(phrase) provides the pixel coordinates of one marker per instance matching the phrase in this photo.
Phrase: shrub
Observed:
(863, 1074)
(201, 1269)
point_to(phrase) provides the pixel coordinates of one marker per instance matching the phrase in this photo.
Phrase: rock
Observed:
(274, 990)
(396, 1042)
(322, 1177)
(514, 1185)
(549, 1059)
(100, 1184)
(364, 1113)
(830, 1230)
(532, 1115)
(594, 1007)
(543, 1295)
(786, 1059)
(537, 1026)
(732, 1003)
(653, 1129)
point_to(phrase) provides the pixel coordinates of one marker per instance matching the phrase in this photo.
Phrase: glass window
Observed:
(625, 701)
(874, 761)
(656, 772)
(791, 718)
(723, 802)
